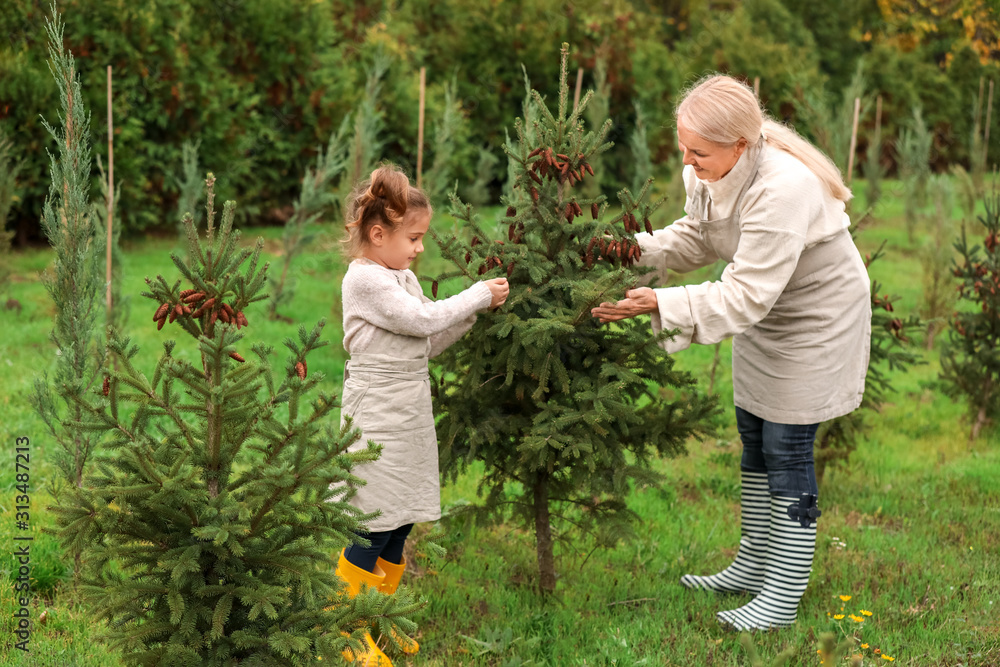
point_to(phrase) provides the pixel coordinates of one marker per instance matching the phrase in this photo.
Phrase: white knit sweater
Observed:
(385, 309)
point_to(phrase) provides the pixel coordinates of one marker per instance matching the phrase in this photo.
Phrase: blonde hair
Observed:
(382, 199)
(723, 110)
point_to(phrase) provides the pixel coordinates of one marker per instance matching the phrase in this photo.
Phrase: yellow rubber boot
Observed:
(355, 577)
(393, 573)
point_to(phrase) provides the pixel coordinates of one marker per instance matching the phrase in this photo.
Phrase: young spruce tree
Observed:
(970, 360)
(208, 531)
(563, 412)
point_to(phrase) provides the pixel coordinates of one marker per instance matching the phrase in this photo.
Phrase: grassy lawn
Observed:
(910, 529)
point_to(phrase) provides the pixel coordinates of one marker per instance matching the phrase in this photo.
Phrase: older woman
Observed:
(795, 299)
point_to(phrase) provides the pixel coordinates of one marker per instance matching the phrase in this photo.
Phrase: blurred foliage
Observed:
(261, 83)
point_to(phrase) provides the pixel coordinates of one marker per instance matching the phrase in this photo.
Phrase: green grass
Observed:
(910, 529)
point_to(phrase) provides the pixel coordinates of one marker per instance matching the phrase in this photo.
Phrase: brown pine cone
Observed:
(511, 211)
(300, 370)
(207, 305)
(241, 318)
(187, 292)
(106, 389)
(237, 357)
(161, 312)
(648, 225)
(594, 210)
(434, 289)
(192, 298)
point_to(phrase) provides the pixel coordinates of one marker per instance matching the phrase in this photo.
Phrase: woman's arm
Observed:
(773, 225)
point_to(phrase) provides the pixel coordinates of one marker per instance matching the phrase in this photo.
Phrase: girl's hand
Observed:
(499, 289)
(639, 301)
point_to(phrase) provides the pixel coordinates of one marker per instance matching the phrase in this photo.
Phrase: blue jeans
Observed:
(783, 451)
(387, 545)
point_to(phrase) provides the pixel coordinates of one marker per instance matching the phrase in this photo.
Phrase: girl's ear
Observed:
(377, 235)
(741, 146)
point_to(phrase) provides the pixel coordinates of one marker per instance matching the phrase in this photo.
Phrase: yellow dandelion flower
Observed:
(857, 619)
(838, 616)
(864, 646)
(888, 657)
(865, 612)
(844, 598)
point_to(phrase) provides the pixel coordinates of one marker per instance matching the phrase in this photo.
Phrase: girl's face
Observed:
(395, 249)
(711, 161)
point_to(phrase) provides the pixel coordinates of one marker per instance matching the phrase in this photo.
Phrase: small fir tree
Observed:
(874, 169)
(970, 360)
(478, 194)
(564, 413)
(189, 185)
(208, 530)
(9, 169)
(936, 259)
(641, 159)
(368, 123)
(438, 179)
(76, 283)
(315, 198)
(914, 149)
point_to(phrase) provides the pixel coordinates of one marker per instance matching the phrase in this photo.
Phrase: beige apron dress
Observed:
(387, 392)
(806, 361)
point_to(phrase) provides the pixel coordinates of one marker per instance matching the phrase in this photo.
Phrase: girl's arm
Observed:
(378, 298)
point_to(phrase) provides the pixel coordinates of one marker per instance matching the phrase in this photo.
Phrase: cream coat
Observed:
(794, 296)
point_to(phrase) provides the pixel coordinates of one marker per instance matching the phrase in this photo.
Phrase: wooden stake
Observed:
(579, 86)
(979, 104)
(986, 131)
(420, 128)
(111, 188)
(756, 87)
(878, 119)
(854, 140)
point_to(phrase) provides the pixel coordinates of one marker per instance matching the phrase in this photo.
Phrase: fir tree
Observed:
(189, 184)
(563, 412)
(76, 284)
(208, 530)
(117, 317)
(914, 148)
(970, 360)
(315, 198)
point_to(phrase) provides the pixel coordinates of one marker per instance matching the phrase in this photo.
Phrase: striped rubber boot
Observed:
(790, 552)
(747, 571)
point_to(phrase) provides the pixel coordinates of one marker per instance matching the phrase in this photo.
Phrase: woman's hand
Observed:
(499, 289)
(638, 301)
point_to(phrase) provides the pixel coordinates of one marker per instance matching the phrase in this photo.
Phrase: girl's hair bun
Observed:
(383, 199)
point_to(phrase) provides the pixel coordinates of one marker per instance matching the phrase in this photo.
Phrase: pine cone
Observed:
(511, 211)
(510, 269)
(300, 370)
(107, 385)
(241, 318)
(192, 298)
(434, 289)
(187, 292)
(237, 357)
(594, 210)
(535, 152)
(648, 225)
(203, 307)
(160, 323)
(161, 312)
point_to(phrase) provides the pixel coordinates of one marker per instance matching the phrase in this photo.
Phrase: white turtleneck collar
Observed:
(724, 191)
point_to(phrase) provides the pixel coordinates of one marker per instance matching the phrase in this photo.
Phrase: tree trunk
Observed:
(981, 418)
(543, 535)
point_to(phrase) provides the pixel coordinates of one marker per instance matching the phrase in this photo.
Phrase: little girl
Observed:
(390, 330)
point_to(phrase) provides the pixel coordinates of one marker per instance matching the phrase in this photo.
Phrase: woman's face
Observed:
(711, 161)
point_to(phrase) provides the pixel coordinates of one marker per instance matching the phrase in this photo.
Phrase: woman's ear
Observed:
(741, 146)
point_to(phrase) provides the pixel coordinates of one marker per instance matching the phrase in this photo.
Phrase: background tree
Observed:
(76, 284)
(914, 150)
(189, 184)
(209, 526)
(564, 413)
(970, 360)
(936, 259)
(316, 198)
